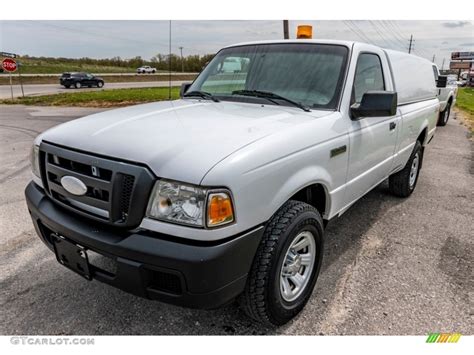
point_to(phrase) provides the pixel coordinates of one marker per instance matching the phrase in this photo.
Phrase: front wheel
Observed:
(286, 265)
(100, 84)
(403, 183)
(77, 85)
(444, 116)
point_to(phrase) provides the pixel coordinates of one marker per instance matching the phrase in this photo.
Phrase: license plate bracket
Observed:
(72, 255)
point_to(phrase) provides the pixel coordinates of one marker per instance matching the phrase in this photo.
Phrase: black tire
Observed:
(401, 184)
(77, 85)
(67, 86)
(100, 84)
(153, 71)
(262, 299)
(444, 116)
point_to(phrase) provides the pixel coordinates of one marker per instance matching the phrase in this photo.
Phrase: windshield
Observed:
(309, 74)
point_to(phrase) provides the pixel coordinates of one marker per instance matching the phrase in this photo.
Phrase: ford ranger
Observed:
(224, 194)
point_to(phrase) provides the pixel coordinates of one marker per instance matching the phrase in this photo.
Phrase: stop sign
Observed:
(9, 64)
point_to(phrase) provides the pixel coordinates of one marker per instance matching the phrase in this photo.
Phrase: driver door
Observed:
(372, 139)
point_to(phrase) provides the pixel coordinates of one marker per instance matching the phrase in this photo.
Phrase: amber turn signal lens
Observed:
(305, 32)
(219, 209)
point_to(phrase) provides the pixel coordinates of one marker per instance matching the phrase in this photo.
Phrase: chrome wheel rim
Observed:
(414, 170)
(297, 266)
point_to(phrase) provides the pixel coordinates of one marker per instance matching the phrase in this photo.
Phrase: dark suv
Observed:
(79, 80)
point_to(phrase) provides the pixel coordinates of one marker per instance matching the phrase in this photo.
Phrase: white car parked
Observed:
(146, 69)
(225, 193)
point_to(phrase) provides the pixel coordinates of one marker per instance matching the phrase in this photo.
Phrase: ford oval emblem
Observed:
(73, 185)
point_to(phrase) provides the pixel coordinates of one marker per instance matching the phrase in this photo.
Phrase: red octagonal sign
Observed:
(9, 64)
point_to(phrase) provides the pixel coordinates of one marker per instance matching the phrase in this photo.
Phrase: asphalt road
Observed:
(391, 266)
(44, 89)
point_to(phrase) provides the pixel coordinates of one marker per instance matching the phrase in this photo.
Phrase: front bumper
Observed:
(153, 265)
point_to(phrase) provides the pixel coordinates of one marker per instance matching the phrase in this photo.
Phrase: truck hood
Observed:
(180, 139)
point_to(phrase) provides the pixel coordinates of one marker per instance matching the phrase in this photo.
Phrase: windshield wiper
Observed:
(270, 96)
(203, 94)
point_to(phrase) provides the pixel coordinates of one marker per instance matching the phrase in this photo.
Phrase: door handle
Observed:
(392, 126)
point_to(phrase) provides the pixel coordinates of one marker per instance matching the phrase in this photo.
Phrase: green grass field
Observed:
(38, 66)
(465, 100)
(104, 98)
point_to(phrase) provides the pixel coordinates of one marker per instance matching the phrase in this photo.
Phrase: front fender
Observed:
(298, 181)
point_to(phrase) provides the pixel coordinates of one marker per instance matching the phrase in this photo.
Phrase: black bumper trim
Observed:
(210, 275)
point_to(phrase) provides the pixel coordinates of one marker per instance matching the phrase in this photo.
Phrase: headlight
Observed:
(34, 160)
(178, 202)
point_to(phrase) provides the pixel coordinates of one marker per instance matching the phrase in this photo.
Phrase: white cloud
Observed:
(99, 39)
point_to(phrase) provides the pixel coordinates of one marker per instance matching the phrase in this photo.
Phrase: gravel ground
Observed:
(391, 266)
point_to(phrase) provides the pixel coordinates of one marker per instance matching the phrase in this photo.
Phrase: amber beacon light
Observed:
(304, 32)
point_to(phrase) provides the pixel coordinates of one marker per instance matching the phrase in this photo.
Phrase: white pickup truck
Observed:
(146, 69)
(225, 193)
(446, 96)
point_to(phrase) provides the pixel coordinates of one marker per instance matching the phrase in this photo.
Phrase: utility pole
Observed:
(410, 47)
(286, 31)
(182, 62)
(169, 64)
(434, 56)
(442, 65)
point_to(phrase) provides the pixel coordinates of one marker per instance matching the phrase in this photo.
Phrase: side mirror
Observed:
(442, 81)
(375, 104)
(184, 88)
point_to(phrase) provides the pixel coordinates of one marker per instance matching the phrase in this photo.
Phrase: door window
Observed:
(368, 76)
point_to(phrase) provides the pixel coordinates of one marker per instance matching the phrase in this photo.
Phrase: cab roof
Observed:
(316, 41)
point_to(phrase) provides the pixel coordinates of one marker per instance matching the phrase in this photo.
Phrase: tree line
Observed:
(190, 63)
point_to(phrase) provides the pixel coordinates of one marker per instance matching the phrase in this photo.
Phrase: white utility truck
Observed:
(446, 95)
(225, 193)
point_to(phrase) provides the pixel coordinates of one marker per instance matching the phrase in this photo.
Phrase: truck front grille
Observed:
(117, 192)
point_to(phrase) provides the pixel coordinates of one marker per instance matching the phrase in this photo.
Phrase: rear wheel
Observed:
(77, 85)
(67, 86)
(403, 183)
(286, 265)
(444, 116)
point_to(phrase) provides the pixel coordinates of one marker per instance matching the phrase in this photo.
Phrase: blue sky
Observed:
(99, 39)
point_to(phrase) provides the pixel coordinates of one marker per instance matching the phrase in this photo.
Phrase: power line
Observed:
(357, 32)
(362, 32)
(387, 40)
(395, 35)
(399, 33)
